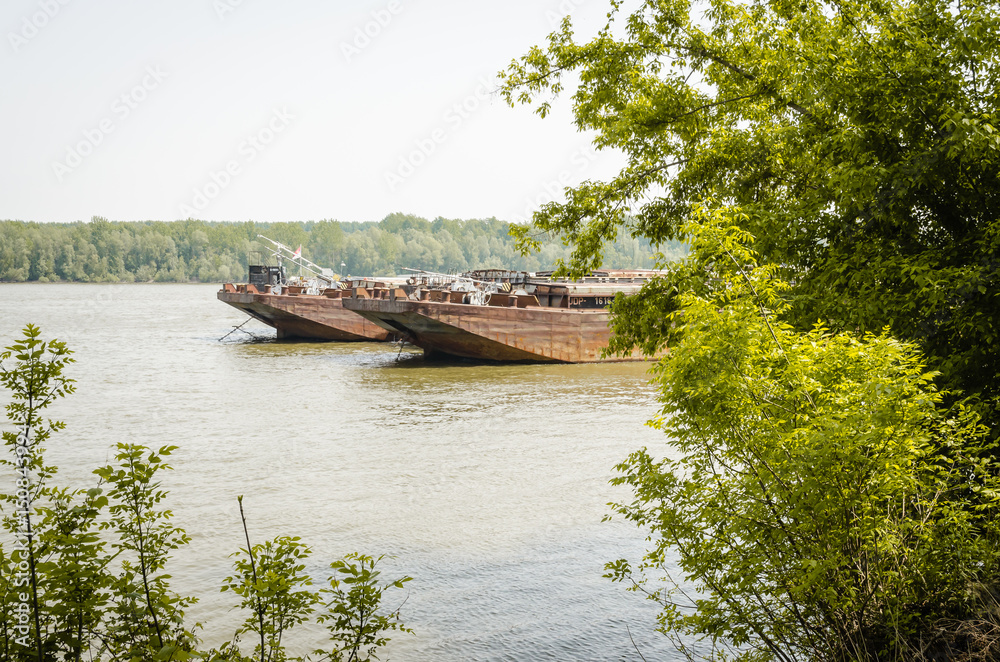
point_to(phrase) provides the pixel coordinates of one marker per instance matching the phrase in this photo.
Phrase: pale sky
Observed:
(234, 110)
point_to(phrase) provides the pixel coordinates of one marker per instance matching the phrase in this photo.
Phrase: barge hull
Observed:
(494, 333)
(306, 317)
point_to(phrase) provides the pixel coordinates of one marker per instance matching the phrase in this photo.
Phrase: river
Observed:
(486, 483)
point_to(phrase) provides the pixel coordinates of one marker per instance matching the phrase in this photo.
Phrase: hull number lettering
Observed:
(590, 302)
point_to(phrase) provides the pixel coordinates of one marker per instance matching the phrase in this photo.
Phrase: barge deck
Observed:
(543, 321)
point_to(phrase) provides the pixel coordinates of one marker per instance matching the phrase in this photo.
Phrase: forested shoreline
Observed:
(204, 251)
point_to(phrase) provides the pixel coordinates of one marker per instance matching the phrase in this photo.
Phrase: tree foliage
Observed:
(86, 577)
(183, 251)
(859, 138)
(819, 494)
(827, 496)
(35, 380)
(353, 613)
(273, 587)
(146, 620)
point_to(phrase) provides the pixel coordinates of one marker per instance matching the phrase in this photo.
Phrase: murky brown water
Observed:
(487, 483)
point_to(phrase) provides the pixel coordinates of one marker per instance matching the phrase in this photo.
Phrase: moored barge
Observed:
(303, 307)
(297, 313)
(542, 320)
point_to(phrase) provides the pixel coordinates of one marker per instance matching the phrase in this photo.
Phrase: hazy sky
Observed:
(279, 111)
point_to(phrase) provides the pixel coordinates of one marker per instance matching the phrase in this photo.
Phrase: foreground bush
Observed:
(85, 577)
(819, 501)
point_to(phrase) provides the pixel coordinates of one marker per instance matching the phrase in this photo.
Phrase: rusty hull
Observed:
(495, 333)
(309, 317)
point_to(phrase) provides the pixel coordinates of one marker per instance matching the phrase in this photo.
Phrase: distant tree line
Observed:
(201, 251)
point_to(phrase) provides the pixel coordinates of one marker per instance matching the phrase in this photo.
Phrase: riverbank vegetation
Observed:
(198, 251)
(833, 386)
(84, 571)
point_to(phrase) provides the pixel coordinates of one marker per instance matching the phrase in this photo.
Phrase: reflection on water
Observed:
(487, 483)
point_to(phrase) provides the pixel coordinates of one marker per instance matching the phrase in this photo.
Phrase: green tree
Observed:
(820, 502)
(35, 381)
(57, 529)
(86, 576)
(825, 499)
(102, 251)
(9, 601)
(270, 579)
(75, 567)
(147, 617)
(353, 610)
(79, 609)
(858, 137)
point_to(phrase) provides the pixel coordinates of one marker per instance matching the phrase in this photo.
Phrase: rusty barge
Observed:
(306, 307)
(509, 317)
(297, 313)
(493, 315)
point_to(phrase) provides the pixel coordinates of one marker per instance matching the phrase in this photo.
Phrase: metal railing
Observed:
(282, 252)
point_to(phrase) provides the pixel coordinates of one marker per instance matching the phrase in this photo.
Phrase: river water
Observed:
(486, 483)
